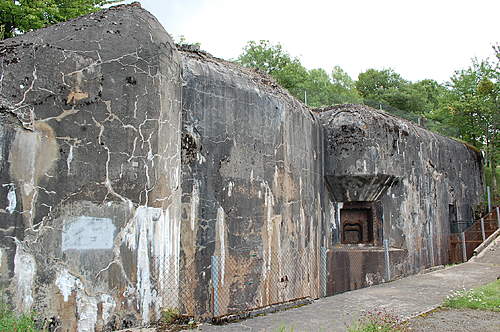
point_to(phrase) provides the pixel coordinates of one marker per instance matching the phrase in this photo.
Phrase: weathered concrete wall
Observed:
(416, 174)
(252, 183)
(90, 169)
(111, 210)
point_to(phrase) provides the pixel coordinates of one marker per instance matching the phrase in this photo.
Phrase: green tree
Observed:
(473, 102)
(19, 16)
(472, 106)
(275, 61)
(316, 84)
(432, 91)
(388, 90)
(375, 84)
(344, 87)
(293, 77)
(319, 88)
(265, 56)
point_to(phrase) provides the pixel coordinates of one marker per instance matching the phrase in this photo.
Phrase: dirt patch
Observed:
(452, 320)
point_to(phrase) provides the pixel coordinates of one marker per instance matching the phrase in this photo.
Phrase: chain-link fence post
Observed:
(489, 198)
(387, 260)
(498, 216)
(464, 248)
(215, 263)
(483, 234)
(324, 272)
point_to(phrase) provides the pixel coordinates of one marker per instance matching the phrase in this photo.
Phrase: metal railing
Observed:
(470, 235)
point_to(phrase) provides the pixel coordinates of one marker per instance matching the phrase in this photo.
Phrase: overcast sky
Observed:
(417, 38)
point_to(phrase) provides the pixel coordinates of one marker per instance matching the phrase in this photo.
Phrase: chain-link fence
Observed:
(214, 287)
(460, 225)
(275, 277)
(174, 278)
(233, 284)
(469, 235)
(353, 267)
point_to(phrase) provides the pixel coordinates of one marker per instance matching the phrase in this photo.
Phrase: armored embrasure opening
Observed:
(358, 223)
(357, 226)
(360, 209)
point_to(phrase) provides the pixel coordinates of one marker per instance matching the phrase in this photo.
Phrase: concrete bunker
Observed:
(137, 175)
(414, 189)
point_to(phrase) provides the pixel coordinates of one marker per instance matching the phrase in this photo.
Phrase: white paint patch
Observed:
(67, 284)
(303, 226)
(87, 312)
(195, 203)
(230, 188)
(269, 203)
(69, 159)
(201, 159)
(155, 235)
(108, 306)
(276, 176)
(88, 233)
(222, 233)
(176, 177)
(143, 269)
(24, 274)
(340, 205)
(332, 215)
(86, 306)
(251, 176)
(11, 198)
(300, 186)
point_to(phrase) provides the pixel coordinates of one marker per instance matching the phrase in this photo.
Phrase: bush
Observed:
(170, 316)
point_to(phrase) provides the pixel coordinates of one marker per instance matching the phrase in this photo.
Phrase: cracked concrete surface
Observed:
(90, 149)
(252, 192)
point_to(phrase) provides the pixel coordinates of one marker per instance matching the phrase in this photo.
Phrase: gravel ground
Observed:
(457, 320)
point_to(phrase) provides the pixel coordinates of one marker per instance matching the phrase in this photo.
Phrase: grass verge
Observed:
(12, 322)
(486, 297)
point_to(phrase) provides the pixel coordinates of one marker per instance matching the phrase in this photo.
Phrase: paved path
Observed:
(406, 297)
